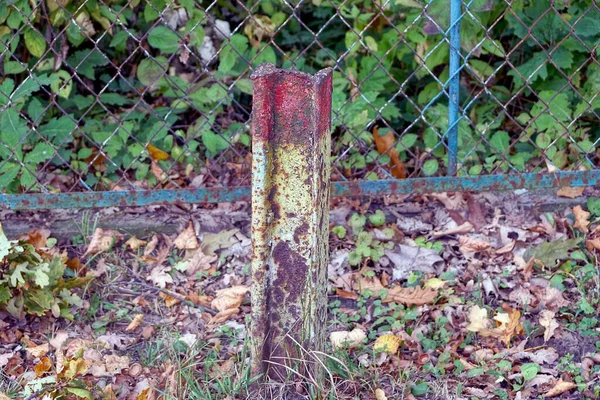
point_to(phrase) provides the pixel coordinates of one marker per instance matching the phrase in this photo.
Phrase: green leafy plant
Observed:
(33, 282)
(118, 112)
(366, 245)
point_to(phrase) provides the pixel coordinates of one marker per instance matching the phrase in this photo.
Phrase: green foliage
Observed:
(111, 100)
(33, 282)
(340, 231)
(367, 246)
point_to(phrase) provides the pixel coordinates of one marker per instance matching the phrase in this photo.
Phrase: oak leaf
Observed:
(581, 219)
(472, 245)
(411, 296)
(199, 262)
(362, 282)
(549, 323)
(160, 276)
(478, 319)
(230, 298)
(187, 239)
(570, 192)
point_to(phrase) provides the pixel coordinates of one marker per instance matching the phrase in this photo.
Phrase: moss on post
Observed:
(291, 148)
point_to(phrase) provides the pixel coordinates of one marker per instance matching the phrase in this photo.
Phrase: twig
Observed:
(139, 281)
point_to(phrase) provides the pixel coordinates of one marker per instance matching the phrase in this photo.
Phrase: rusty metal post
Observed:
(291, 146)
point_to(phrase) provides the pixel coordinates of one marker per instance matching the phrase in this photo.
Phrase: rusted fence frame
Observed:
(376, 189)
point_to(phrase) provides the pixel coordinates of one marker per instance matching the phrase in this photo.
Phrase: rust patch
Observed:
(301, 232)
(291, 272)
(271, 197)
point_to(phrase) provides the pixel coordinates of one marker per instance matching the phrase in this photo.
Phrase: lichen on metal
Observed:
(291, 118)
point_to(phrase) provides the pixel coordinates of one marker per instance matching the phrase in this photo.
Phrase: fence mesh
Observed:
(146, 94)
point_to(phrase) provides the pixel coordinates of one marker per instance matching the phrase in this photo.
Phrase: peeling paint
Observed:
(290, 207)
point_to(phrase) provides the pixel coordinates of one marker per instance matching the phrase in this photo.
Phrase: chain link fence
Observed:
(109, 95)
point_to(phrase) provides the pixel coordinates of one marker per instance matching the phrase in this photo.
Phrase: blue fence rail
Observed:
(128, 103)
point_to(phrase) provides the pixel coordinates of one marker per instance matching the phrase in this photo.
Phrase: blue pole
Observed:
(454, 87)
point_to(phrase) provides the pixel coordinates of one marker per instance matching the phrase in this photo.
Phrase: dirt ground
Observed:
(507, 317)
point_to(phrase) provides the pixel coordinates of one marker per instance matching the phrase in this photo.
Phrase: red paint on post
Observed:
(284, 100)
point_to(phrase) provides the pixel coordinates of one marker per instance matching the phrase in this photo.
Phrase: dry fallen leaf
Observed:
(559, 388)
(434, 283)
(135, 323)
(75, 367)
(344, 294)
(549, 323)
(38, 238)
(508, 325)
(39, 351)
(465, 227)
(385, 145)
(170, 301)
(102, 240)
(157, 154)
(187, 239)
(581, 219)
(151, 245)
(345, 339)
(115, 364)
(230, 298)
(570, 192)
(43, 366)
(223, 316)
(148, 332)
(211, 242)
(472, 245)
(455, 201)
(411, 296)
(552, 299)
(59, 339)
(199, 262)
(221, 370)
(592, 244)
(361, 283)
(478, 319)
(134, 243)
(108, 393)
(388, 343)
(380, 394)
(160, 276)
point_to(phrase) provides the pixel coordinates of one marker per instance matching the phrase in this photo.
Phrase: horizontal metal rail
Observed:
(338, 189)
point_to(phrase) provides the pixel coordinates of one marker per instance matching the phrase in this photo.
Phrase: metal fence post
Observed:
(291, 119)
(454, 85)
